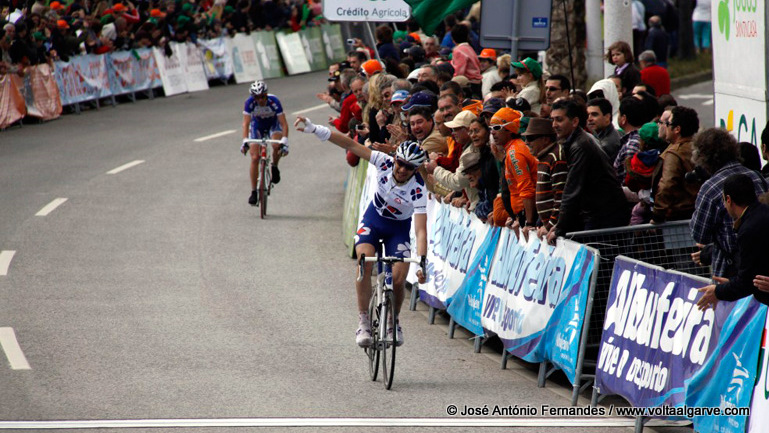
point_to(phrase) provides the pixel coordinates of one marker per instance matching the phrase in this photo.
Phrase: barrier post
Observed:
(577, 386)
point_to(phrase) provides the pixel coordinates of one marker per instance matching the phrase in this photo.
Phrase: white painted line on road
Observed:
(12, 350)
(50, 207)
(695, 96)
(125, 167)
(5, 261)
(325, 422)
(307, 110)
(710, 102)
(217, 135)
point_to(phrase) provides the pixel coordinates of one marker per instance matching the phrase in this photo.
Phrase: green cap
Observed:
(229, 9)
(183, 19)
(106, 19)
(39, 36)
(187, 7)
(400, 35)
(153, 21)
(649, 133)
(529, 64)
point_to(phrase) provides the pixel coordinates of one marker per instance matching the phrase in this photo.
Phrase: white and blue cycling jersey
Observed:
(393, 201)
(264, 119)
(388, 216)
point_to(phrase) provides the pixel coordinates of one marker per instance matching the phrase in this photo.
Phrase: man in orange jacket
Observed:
(520, 165)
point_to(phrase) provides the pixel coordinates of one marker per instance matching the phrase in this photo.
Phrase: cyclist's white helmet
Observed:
(259, 88)
(411, 152)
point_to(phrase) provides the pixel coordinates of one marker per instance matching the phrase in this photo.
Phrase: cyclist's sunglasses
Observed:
(406, 165)
(498, 127)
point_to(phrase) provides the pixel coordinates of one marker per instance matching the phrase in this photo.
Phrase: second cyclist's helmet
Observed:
(259, 88)
(411, 152)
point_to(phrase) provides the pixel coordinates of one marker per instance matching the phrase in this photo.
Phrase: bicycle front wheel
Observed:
(372, 351)
(387, 343)
(264, 182)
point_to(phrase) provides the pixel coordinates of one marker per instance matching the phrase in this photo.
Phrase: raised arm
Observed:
(326, 134)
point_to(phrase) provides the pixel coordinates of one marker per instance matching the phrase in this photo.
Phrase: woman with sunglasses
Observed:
(400, 193)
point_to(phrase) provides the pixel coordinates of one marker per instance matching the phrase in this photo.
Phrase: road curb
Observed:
(688, 80)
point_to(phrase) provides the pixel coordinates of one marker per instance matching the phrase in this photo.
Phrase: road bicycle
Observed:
(381, 312)
(264, 171)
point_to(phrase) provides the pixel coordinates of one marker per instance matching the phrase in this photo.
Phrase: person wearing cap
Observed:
(520, 166)
(371, 68)
(455, 180)
(464, 59)
(489, 72)
(551, 170)
(592, 197)
(674, 198)
(529, 78)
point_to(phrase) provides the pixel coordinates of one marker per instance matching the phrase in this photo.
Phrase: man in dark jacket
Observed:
(592, 198)
(751, 222)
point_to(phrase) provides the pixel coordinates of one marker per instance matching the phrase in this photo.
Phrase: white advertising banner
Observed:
(292, 50)
(244, 62)
(356, 10)
(171, 72)
(193, 65)
(759, 406)
(739, 67)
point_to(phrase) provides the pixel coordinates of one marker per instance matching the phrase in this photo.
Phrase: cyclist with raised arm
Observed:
(263, 117)
(400, 194)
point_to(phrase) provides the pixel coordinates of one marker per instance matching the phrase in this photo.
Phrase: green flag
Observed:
(430, 13)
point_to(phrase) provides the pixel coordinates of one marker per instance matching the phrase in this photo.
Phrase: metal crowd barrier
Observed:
(668, 245)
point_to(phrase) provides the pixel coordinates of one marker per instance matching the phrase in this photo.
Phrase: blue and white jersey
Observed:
(393, 201)
(263, 118)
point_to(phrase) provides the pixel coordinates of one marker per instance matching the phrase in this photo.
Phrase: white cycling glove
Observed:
(244, 147)
(284, 141)
(320, 131)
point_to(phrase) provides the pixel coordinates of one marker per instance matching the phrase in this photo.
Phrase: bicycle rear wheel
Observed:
(372, 351)
(264, 179)
(388, 346)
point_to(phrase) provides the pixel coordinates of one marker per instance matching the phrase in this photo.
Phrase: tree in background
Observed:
(557, 56)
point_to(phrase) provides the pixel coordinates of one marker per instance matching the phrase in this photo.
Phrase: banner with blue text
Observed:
(536, 297)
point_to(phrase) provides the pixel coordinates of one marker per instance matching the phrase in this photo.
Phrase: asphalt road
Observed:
(157, 293)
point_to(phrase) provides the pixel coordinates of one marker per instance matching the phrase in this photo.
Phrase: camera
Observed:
(698, 175)
(361, 126)
(351, 42)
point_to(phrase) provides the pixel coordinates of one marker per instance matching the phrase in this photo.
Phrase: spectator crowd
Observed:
(38, 31)
(522, 148)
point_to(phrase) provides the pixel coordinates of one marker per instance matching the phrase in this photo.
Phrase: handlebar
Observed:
(421, 261)
(260, 140)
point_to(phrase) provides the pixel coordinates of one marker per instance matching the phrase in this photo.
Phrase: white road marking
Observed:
(695, 96)
(217, 135)
(324, 422)
(710, 102)
(125, 166)
(12, 350)
(307, 110)
(5, 261)
(50, 207)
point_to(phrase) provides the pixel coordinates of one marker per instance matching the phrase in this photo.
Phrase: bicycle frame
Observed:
(382, 305)
(264, 180)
